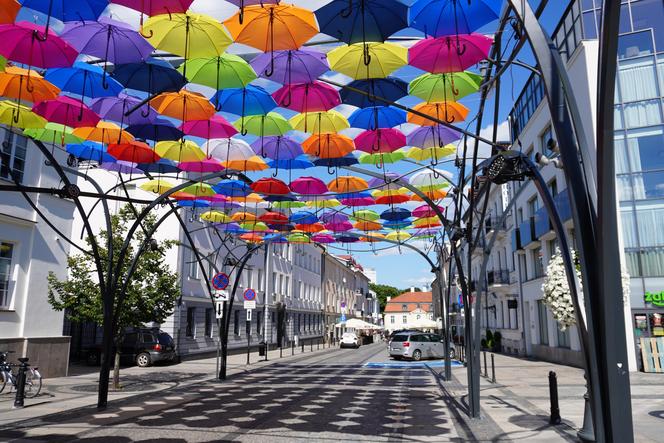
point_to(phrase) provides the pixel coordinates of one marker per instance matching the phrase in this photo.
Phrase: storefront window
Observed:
(656, 324)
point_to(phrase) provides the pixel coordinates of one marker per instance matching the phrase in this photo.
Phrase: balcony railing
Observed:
(494, 223)
(527, 229)
(498, 277)
(563, 205)
(542, 223)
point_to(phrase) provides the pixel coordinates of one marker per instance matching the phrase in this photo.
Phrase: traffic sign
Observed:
(250, 304)
(249, 294)
(220, 281)
(219, 309)
(221, 295)
(248, 314)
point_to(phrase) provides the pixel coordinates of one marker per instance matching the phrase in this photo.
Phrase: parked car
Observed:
(143, 346)
(349, 340)
(418, 345)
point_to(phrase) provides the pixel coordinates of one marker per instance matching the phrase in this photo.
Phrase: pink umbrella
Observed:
(25, 42)
(339, 227)
(206, 165)
(449, 53)
(308, 186)
(66, 111)
(380, 140)
(425, 211)
(215, 127)
(307, 97)
(360, 201)
(323, 238)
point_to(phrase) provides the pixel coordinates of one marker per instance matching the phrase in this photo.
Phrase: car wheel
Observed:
(452, 353)
(417, 355)
(143, 359)
(93, 358)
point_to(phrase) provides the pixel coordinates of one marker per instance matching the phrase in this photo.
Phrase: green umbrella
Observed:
(53, 133)
(382, 158)
(445, 87)
(298, 237)
(365, 215)
(3, 63)
(225, 71)
(288, 204)
(264, 125)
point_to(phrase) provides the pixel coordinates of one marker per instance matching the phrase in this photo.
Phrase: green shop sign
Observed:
(655, 299)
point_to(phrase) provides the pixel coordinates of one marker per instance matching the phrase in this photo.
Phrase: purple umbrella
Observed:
(331, 217)
(377, 182)
(277, 147)
(292, 66)
(222, 204)
(432, 136)
(122, 167)
(339, 227)
(114, 109)
(107, 39)
(323, 238)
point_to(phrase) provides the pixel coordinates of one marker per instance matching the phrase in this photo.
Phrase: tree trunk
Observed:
(116, 371)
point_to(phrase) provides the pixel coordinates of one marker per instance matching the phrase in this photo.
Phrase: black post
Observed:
(281, 351)
(493, 370)
(292, 347)
(486, 374)
(303, 346)
(318, 344)
(311, 345)
(248, 323)
(554, 419)
(20, 383)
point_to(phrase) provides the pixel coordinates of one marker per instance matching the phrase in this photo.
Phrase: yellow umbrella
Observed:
(215, 217)
(158, 186)
(389, 192)
(189, 34)
(200, 190)
(436, 152)
(399, 236)
(19, 116)
(104, 132)
(320, 122)
(368, 60)
(320, 204)
(181, 151)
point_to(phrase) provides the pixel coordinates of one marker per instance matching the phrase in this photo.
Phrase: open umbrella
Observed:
(33, 45)
(200, 190)
(449, 53)
(277, 147)
(273, 218)
(157, 186)
(19, 116)
(66, 111)
(67, 10)
(354, 21)
(390, 88)
(152, 76)
(214, 127)
(24, 84)
(115, 109)
(104, 132)
(8, 10)
(375, 117)
(320, 122)
(308, 186)
(299, 162)
(307, 97)
(426, 211)
(347, 183)
(215, 217)
(452, 17)
(367, 226)
(368, 60)
(162, 166)
(233, 188)
(155, 7)
(328, 145)
(122, 167)
(380, 140)
(228, 149)
(393, 214)
(291, 66)
(323, 238)
(303, 218)
(432, 136)
(133, 151)
(183, 105)
(333, 162)
(432, 194)
(398, 236)
(181, 151)
(158, 130)
(444, 87)
(219, 72)
(90, 151)
(431, 179)
(53, 133)
(434, 153)
(207, 165)
(264, 125)
(270, 186)
(328, 202)
(252, 100)
(381, 159)
(85, 80)
(365, 215)
(450, 112)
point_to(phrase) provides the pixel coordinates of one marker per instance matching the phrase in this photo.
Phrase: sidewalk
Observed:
(519, 404)
(76, 391)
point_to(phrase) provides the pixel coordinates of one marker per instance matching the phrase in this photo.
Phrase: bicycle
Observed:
(33, 379)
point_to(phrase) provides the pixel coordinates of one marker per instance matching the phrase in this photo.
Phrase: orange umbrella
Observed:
(368, 226)
(328, 145)
(8, 10)
(373, 237)
(347, 183)
(183, 105)
(244, 217)
(312, 228)
(26, 84)
(253, 163)
(272, 27)
(252, 237)
(435, 194)
(251, 198)
(104, 132)
(451, 112)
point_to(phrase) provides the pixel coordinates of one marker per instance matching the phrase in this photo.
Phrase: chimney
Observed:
(389, 298)
(412, 289)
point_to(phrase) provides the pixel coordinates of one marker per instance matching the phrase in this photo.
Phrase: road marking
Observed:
(414, 364)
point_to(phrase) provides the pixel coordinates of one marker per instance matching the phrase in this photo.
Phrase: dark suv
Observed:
(144, 346)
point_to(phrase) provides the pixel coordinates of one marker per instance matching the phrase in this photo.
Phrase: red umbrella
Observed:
(66, 111)
(380, 140)
(215, 127)
(133, 151)
(307, 97)
(32, 45)
(274, 218)
(270, 186)
(392, 199)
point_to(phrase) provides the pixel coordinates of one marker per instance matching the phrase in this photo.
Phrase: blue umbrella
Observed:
(299, 162)
(163, 166)
(275, 238)
(193, 204)
(303, 218)
(67, 10)
(252, 100)
(334, 162)
(84, 80)
(89, 150)
(389, 88)
(152, 77)
(362, 20)
(232, 228)
(346, 238)
(160, 130)
(232, 188)
(377, 117)
(437, 18)
(397, 224)
(361, 194)
(395, 214)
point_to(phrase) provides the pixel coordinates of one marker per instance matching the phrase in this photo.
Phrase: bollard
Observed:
(318, 344)
(311, 345)
(486, 373)
(292, 347)
(303, 346)
(267, 348)
(281, 349)
(553, 395)
(493, 370)
(20, 383)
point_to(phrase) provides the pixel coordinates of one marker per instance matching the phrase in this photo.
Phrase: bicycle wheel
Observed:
(33, 383)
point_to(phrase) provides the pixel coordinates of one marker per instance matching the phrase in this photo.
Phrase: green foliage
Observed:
(151, 293)
(384, 291)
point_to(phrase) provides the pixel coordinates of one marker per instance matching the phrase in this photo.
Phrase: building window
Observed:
(532, 206)
(544, 142)
(392, 319)
(404, 319)
(12, 156)
(543, 323)
(553, 187)
(191, 322)
(209, 312)
(404, 308)
(192, 265)
(6, 255)
(563, 337)
(538, 265)
(261, 280)
(236, 322)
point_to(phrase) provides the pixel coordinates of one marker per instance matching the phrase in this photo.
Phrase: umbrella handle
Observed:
(80, 113)
(148, 35)
(15, 115)
(454, 89)
(449, 120)
(286, 103)
(434, 160)
(366, 55)
(331, 169)
(104, 81)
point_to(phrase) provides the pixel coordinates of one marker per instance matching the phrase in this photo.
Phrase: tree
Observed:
(151, 293)
(384, 291)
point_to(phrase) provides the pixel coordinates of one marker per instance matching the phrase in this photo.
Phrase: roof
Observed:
(411, 299)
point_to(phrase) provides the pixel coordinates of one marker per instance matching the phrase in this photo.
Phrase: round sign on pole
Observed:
(220, 281)
(249, 294)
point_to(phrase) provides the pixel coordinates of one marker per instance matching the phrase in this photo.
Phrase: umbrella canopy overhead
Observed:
(24, 42)
(291, 66)
(368, 60)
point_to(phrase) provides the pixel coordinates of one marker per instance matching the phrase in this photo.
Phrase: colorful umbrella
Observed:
(299, 162)
(188, 34)
(85, 80)
(273, 218)
(263, 125)
(252, 100)
(291, 66)
(365, 215)
(215, 217)
(382, 158)
(392, 199)
(116, 108)
(8, 10)
(308, 186)
(347, 184)
(426, 211)
(228, 149)
(161, 167)
(181, 151)
(434, 194)
(270, 186)
(311, 228)
(323, 238)
(232, 188)
(106, 133)
(24, 84)
(159, 129)
(106, 39)
(34, 45)
(156, 7)
(277, 147)
(354, 21)
(449, 53)
(307, 97)
(193, 203)
(339, 227)
(90, 151)
(435, 153)
(444, 87)
(452, 17)
(380, 140)
(298, 237)
(398, 236)
(19, 116)
(333, 162)
(214, 127)
(220, 72)
(288, 205)
(325, 203)
(133, 151)
(393, 214)
(375, 117)
(53, 133)
(207, 165)
(432, 136)
(431, 179)
(390, 88)
(450, 112)
(368, 60)
(69, 10)
(244, 217)
(199, 190)
(367, 226)
(157, 186)
(320, 122)
(121, 167)
(303, 218)
(328, 145)
(153, 77)
(183, 105)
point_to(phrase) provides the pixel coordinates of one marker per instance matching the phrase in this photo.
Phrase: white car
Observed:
(349, 340)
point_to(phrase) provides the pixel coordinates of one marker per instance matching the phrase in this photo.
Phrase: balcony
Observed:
(563, 205)
(493, 223)
(527, 230)
(498, 277)
(516, 239)
(542, 223)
